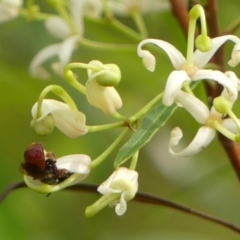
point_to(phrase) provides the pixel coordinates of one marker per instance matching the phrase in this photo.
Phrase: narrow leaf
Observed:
(151, 123)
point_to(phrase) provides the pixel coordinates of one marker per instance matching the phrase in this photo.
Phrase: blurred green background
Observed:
(205, 182)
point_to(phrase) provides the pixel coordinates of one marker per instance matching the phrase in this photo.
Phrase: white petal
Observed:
(235, 56)
(105, 98)
(230, 125)
(121, 207)
(125, 7)
(58, 27)
(35, 68)
(65, 53)
(76, 163)
(76, 9)
(235, 81)
(9, 9)
(149, 61)
(200, 59)
(219, 77)
(121, 173)
(203, 138)
(176, 57)
(66, 49)
(70, 122)
(48, 106)
(194, 106)
(174, 83)
(153, 6)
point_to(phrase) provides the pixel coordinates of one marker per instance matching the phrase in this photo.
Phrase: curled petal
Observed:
(176, 57)
(105, 98)
(194, 106)
(57, 27)
(235, 56)
(219, 77)
(200, 59)
(203, 138)
(149, 61)
(121, 206)
(35, 68)
(236, 83)
(79, 164)
(174, 83)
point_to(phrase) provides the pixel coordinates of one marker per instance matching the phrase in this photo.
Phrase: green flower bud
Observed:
(43, 126)
(203, 43)
(222, 105)
(110, 76)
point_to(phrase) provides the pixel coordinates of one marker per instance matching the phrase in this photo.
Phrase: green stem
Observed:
(232, 27)
(100, 204)
(234, 118)
(107, 46)
(126, 30)
(107, 10)
(134, 160)
(196, 12)
(219, 127)
(119, 116)
(65, 15)
(145, 109)
(105, 127)
(106, 153)
(137, 17)
(187, 89)
(60, 92)
(34, 16)
(113, 22)
(70, 78)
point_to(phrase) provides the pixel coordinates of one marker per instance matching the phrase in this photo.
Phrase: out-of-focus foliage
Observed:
(206, 182)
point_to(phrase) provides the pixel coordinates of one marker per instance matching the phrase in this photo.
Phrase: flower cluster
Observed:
(44, 172)
(191, 69)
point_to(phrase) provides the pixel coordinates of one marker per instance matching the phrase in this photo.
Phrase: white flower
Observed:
(70, 35)
(211, 120)
(185, 71)
(55, 113)
(124, 182)
(9, 9)
(104, 97)
(126, 7)
(78, 165)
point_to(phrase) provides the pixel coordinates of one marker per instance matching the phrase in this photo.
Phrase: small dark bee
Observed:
(41, 165)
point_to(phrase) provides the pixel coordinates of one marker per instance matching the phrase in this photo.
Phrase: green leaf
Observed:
(151, 123)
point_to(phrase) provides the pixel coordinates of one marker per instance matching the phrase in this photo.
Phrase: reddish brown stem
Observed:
(140, 197)
(232, 148)
(180, 11)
